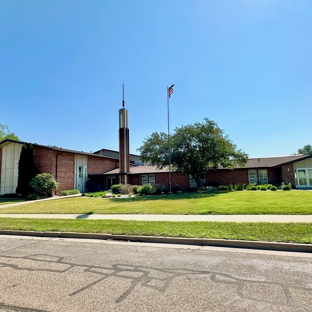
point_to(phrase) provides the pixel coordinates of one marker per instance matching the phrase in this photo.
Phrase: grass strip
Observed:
(245, 202)
(269, 232)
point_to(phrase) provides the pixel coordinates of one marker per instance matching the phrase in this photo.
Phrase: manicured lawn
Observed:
(245, 202)
(5, 201)
(270, 232)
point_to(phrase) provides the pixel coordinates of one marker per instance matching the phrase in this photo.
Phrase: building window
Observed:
(148, 179)
(151, 178)
(252, 176)
(144, 179)
(263, 176)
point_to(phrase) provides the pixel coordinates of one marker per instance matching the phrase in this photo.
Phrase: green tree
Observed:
(194, 149)
(5, 133)
(306, 150)
(26, 170)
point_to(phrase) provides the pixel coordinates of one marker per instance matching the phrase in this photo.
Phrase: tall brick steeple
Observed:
(124, 157)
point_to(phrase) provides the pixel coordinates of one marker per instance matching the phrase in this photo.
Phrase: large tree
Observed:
(306, 150)
(5, 133)
(194, 149)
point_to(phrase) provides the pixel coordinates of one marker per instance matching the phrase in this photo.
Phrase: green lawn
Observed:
(5, 201)
(245, 202)
(270, 232)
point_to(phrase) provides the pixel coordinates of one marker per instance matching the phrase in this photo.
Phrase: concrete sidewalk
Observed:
(180, 218)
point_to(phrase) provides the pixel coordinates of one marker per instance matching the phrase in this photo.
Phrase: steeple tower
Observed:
(124, 158)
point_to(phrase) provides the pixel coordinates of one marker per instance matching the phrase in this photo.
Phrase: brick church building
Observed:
(98, 171)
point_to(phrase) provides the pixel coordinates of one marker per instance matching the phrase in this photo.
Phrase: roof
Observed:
(268, 162)
(139, 170)
(54, 148)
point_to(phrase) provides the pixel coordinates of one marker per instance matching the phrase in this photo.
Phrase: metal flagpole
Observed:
(169, 92)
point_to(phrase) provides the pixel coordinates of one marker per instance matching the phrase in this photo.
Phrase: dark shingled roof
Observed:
(267, 162)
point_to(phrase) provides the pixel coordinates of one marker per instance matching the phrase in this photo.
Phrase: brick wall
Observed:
(288, 174)
(225, 177)
(274, 176)
(100, 164)
(0, 165)
(60, 164)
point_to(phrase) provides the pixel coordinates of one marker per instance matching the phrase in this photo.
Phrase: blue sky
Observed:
(244, 64)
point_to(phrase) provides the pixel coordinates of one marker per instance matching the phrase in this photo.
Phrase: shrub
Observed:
(44, 184)
(273, 188)
(286, 186)
(115, 188)
(135, 189)
(239, 187)
(34, 196)
(175, 188)
(96, 194)
(146, 189)
(263, 188)
(253, 188)
(230, 187)
(249, 186)
(222, 188)
(69, 192)
(269, 186)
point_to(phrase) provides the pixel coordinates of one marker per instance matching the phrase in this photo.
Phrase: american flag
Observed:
(170, 90)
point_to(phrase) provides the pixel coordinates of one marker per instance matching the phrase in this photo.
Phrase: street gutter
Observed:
(276, 246)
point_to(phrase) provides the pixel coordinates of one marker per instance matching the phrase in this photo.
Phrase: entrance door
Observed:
(110, 182)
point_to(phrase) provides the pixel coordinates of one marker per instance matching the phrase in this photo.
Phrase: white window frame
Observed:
(151, 179)
(144, 179)
(252, 176)
(263, 178)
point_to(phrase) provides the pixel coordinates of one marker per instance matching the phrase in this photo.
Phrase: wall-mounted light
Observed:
(288, 169)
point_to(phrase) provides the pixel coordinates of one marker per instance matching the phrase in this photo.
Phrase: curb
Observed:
(292, 247)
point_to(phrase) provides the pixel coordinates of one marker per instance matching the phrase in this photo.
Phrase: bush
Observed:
(115, 188)
(222, 188)
(249, 186)
(44, 184)
(239, 187)
(273, 188)
(286, 186)
(263, 188)
(96, 194)
(69, 192)
(175, 189)
(34, 196)
(230, 187)
(146, 189)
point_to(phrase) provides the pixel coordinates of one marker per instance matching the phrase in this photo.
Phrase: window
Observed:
(252, 176)
(151, 178)
(263, 176)
(144, 179)
(148, 179)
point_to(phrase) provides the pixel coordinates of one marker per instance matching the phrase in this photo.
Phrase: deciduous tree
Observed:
(194, 149)
(306, 150)
(5, 133)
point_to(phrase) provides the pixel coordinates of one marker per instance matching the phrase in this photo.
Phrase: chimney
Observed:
(124, 157)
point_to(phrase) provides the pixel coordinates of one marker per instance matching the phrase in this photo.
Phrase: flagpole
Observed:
(169, 147)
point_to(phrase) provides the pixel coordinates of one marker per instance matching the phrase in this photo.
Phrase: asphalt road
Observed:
(53, 274)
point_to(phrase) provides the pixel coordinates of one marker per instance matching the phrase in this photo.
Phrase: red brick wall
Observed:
(288, 176)
(100, 164)
(45, 160)
(0, 164)
(274, 176)
(225, 177)
(163, 179)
